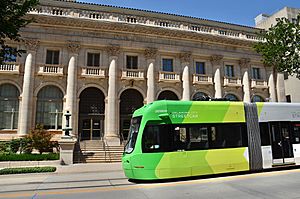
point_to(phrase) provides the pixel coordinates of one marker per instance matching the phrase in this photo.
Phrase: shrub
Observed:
(25, 145)
(29, 157)
(26, 170)
(14, 145)
(41, 139)
(4, 147)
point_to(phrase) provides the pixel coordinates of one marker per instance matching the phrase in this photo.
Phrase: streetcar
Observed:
(174, 139)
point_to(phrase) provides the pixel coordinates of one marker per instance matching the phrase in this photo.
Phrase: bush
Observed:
(26, 170)
(41, 139)
(4, 147)
(29, 157)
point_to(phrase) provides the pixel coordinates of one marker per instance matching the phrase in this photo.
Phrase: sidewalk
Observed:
(89, 167)
(75, 168)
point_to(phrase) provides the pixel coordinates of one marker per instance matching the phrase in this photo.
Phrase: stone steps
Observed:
(94, 152)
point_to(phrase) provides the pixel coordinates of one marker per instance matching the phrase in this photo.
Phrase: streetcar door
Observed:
(282, 148)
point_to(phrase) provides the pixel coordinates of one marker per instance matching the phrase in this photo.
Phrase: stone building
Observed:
(265, 21)
(101, 63)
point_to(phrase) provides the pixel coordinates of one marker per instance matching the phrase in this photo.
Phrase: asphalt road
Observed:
(276, 184)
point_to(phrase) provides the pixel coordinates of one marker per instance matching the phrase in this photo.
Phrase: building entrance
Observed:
(91, 114)
(131, 100)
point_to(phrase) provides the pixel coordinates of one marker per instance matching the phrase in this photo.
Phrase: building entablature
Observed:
(139, 21)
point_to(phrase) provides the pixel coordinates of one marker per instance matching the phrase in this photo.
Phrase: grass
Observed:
(27, 170)
(29, 157)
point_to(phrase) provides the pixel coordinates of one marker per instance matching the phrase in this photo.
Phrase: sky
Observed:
(240, 12)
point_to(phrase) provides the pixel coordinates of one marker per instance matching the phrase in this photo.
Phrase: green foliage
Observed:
(11, 20)
(41, 139)
(25, 145)
(27, 170)
(29, 157)
(281, 47)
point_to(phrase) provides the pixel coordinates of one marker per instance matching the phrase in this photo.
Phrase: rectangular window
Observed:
(255, 73)
(93, 59)
(157, 138)
(131, 62)
(200, 68)
(10, 55)
(264, 134)
(52, 57)
(229, 72)
(228, 136)
(164, 138)
(198, 138)
(167, 65)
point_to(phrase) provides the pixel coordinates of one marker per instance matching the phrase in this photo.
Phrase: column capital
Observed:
(31, 44)
(113, 50)
(185, 57)
(150, 53)
(73, 47)
(244, 62)
(216, 59)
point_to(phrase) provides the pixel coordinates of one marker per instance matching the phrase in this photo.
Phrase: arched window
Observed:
(9, 106)
(167, 95)
(257, 98)
(231, 97)
(200, 96)
(49, 107)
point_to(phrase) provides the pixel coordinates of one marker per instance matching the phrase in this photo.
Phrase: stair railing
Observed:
(106, 150)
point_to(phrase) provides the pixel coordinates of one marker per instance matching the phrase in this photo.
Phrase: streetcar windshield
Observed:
(133, 132)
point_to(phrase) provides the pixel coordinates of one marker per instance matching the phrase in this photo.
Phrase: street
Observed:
(113, 184)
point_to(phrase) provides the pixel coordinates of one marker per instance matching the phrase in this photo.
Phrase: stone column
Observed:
(185, 60)
(280, 88)
(245, 66)
(112, 134)
(272, 89)
(25, 121)
(150, 55)
(72, 85)
(216, 61)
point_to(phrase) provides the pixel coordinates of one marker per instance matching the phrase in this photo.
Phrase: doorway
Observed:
(91, 114)
(130, 100)
(281, 141)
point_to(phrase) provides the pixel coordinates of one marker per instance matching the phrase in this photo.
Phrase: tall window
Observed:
(231, 97)
(49, 107)
(200, 68)
(167, 65)
(255, 73)
(131, 62)
(52, 57)
(93, 59)
(9, 106)
(229, 72)
(200, 96)
(257, 98)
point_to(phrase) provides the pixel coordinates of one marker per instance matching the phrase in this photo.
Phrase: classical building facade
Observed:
(265, 21)
(101, 63)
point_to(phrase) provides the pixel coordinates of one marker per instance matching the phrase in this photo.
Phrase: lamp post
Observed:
(67, 129)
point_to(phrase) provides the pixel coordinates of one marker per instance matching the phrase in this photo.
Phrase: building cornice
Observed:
(109, 26)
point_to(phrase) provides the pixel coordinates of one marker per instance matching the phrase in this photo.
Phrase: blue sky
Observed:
(240, 12)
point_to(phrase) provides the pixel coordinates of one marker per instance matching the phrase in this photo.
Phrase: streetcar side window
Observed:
(198, 138)
(156, 138)
(264, 134)
(228, 136)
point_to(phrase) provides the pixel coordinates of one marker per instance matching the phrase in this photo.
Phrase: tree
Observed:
(40, 139)
(281, 46)
(11, 20)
